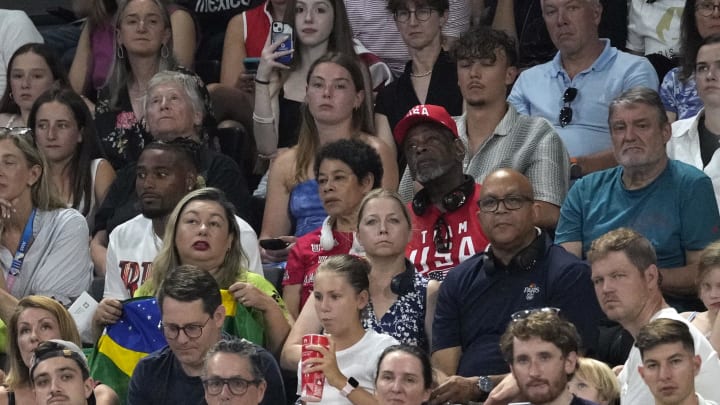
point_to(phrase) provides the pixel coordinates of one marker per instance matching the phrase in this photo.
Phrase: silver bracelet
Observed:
(263, 120)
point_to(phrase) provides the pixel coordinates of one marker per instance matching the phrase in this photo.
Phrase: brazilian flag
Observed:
(241, 321)
(124, 343)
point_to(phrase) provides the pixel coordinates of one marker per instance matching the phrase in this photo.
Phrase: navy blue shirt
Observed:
(474, 305)
(159, 379)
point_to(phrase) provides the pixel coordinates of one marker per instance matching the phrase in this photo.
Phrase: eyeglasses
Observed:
(707, 8)
(442, 236)
(516, 316)
(421, 14)
(511, 203)
(236, 385)
(566, 113)
(192, 331)
(24, 132)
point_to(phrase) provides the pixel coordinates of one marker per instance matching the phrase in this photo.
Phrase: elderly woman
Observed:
(346, 171)
(32, 70)
(43, 248)
(143, 48)
(37, 319)
(203, 231)
(175, 109)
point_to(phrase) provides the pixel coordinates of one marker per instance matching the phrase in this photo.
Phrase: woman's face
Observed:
(419, 34)
(331, 94)
(35, 325)
(710, 290)
(56, 131)
(30, 76)
(400, 380)
(383, 229)
(336, 300)
(16, 175)
(314, 21)
(340, 190)
(170, 112)
(584, 389)
(141, 28)
(202, 236)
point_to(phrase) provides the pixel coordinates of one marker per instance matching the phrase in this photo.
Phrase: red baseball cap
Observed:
(424, 113)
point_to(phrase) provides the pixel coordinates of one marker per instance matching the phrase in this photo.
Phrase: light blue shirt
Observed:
(539, 90)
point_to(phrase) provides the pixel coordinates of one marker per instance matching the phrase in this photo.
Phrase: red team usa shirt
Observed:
(465, 235)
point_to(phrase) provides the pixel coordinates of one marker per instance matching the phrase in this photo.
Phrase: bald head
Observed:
(505, 178)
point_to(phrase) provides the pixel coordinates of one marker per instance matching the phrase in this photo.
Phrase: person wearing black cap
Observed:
(60, 374)
(445, 228)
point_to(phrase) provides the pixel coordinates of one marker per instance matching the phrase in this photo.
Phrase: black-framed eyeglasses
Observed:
(192, 331)
(236, 385)
(566, 113)
(24, 132)
(516, 316)
(706, 8)
(511, 203)
(421, 14)
(442, 236)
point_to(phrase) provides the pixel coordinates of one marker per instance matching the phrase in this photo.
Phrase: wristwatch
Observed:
(349, 387)
(485, 384)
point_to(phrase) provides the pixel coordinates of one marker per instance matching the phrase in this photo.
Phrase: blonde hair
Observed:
(233, 268)
(19, 373)
(42, 194)
(600, 376)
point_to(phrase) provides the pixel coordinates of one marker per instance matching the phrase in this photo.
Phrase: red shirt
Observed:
(257, 28)
(466, 238)
(307, 254)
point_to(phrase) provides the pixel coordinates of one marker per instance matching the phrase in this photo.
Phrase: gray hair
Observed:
(242, 348)
(186, 82)
(640, 95)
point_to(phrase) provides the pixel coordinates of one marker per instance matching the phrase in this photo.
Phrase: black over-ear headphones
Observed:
(402, 283)
(450, 201)
(524, 260)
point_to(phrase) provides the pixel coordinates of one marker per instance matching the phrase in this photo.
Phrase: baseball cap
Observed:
(59, 348)
(424, 113)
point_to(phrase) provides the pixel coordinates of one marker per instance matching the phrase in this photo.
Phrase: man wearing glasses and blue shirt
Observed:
(521, 270)
(192, 322)
(573, 90)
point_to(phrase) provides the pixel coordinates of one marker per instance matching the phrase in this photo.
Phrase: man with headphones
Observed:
(445, 231)
(521, 270)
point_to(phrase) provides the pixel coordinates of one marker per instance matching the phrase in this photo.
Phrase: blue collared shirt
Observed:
(539, 91)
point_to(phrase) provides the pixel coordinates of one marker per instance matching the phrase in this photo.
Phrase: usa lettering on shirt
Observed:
(428, 260)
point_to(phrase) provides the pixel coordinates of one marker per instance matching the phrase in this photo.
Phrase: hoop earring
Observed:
(120, 53)
(164, 51)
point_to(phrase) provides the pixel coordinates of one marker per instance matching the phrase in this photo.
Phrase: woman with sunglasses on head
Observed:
(32, 70)
(335, 108)
(430, 77)
(37, 319)
(43, 244)
(341, 295)
(65, 134)
(404, 376)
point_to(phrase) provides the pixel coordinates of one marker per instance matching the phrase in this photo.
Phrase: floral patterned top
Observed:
(680, 97)
(122, 135)
(405, 320)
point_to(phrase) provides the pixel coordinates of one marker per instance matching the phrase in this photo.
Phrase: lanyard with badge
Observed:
(19, 257)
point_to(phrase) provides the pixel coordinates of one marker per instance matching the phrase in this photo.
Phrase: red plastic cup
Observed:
(311, 384)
